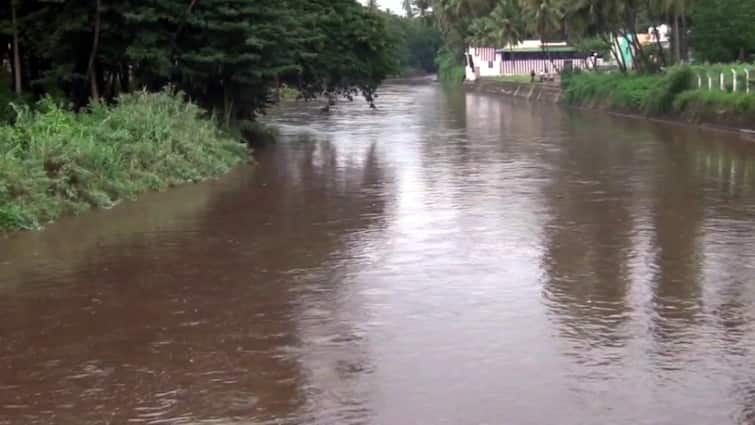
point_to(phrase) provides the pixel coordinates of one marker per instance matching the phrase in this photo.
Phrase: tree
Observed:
(228, 55)
(723, 31)
(16, 54)
(91, 67)
(545, 18)
(408, 7)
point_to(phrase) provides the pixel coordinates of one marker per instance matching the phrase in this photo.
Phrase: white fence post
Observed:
(710, 82)
(699, 81)
(747, 81)
(734, 81)
(721, 78)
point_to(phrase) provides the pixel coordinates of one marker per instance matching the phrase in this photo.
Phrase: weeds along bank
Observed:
(55, 162)
(672, 94)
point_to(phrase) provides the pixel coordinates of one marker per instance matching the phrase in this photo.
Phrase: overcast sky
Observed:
(394, 5)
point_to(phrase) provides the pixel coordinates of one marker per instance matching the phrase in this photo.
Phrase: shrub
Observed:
(450, 67)
(635, 93)
(703, 103)
(55, 162)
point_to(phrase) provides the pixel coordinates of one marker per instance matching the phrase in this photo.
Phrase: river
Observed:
(449, 258)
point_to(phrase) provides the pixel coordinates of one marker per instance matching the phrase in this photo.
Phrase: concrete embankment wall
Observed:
(532, 91)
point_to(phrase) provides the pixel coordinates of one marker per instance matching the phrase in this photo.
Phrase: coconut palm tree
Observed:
(545, 17)
(603, 18)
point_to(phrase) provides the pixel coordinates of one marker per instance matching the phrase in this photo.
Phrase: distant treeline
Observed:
(701, 30)
(417, 41)
(227, 55)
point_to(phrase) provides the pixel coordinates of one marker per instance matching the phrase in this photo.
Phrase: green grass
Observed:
(55, 162)
(8, 99)
(673, 93)
(653, 94)
(704, 104)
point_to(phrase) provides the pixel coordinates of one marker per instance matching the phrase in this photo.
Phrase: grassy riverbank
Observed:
(55, 162)
(673, 94)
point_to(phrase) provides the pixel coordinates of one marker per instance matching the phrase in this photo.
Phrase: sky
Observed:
(394, 5)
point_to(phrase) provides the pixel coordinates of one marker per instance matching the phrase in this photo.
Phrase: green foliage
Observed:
(666, 88)
(714, 101)
(228, 55)
(415, 44)
(653, 94)
(450, 66)
(506, 24)
(593, 44)
(723, 30)
(735, 109)
(714, 71)
(9, 100)
(54, 161)
(670, 93)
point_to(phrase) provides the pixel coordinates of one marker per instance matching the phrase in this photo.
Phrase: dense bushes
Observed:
(636, 93)
(415, 43)
(674, 92)
(55, 162)
(713, 105)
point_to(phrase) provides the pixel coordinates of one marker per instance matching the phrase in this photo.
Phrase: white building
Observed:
(522, 59)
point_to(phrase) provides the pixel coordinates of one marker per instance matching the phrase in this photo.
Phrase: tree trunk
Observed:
(227, 102)
(91, 70)
(684, 50)
(16, 53)
(124, 79)
(677, 39)
(616, 51)
(657, 35)
(174, 45)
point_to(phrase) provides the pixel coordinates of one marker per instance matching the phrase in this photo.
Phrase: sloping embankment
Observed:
(532, 91)
(722, 119)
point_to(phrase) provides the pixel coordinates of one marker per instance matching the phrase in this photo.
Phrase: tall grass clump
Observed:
(55, 162)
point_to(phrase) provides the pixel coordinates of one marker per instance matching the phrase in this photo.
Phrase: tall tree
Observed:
(92, 66)
(724, 30)
(545, 17)
(16, 47)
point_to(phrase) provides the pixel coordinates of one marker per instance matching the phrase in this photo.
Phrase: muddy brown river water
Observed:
(450, 258)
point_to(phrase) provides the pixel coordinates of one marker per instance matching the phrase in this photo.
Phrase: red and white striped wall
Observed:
(525, 66)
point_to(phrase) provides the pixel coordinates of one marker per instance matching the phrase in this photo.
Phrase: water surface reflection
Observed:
(450, 258)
